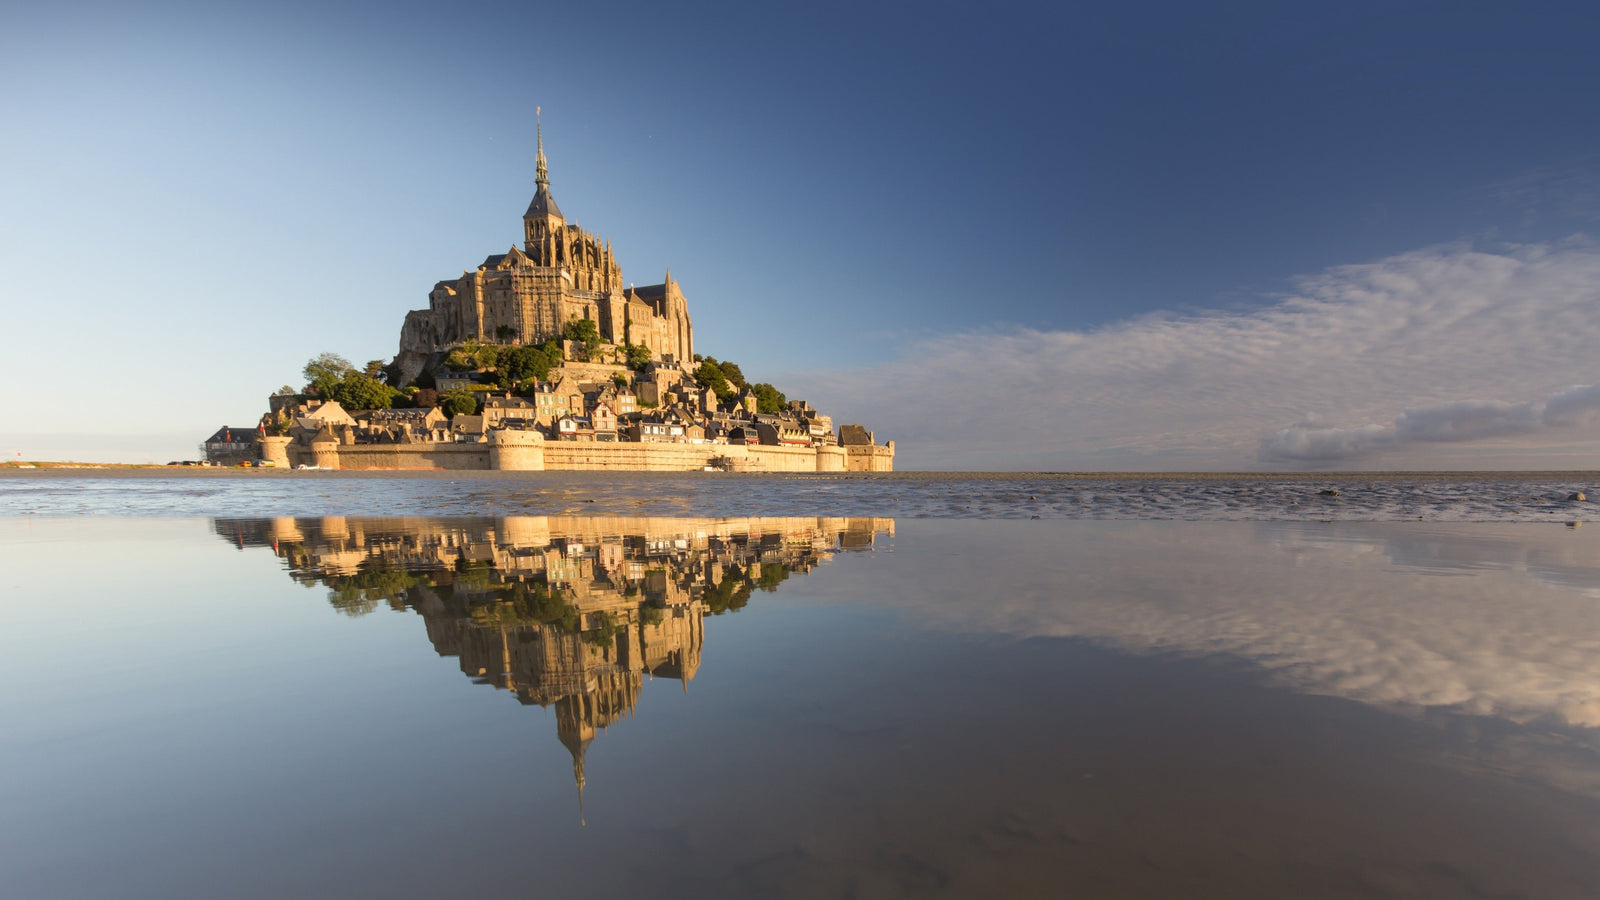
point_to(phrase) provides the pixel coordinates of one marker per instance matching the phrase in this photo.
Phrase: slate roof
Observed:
(543, 204)
(231, 435)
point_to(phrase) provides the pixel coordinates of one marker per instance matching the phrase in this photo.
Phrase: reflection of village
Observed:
(573, 613)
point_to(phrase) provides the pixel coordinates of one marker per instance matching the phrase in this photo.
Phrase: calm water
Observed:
(614, 705)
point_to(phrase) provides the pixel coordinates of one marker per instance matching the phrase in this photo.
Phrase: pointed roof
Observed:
(543, 204)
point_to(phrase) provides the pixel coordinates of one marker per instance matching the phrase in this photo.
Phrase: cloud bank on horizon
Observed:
(1451, 356)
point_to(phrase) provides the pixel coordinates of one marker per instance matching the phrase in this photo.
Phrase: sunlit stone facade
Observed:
(528, 294)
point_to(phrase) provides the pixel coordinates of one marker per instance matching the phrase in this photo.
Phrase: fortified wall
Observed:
(528, 451)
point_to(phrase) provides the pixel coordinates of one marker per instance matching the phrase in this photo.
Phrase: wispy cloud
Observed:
(1461, 420)
(1417, 356)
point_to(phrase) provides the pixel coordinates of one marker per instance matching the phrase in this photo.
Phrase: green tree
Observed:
(485, 356)
(710, 375)
(731, 595)
(358, 390)
(324, 371)
(732, 372)
(458, 402)
(773, 575)
(620, 380)
(519, 364)
(582, 330)
(373, 368)
(458, 360)
(505, 333)
(638, 357)
(768, 398)
(472, 355)
(359, 594)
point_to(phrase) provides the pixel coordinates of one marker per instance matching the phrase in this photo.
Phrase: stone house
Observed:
(496, 409)
(653, 426)
(325, 413)
(447, 380)
(567, 397)
(707, 400)
(574, 428)
(406, 424)
(233, 445)
(467, 428)
(777, 431)
(855, 436)
(604, 422)
(621, 400)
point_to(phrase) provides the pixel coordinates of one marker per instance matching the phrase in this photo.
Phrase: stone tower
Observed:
(543, 217)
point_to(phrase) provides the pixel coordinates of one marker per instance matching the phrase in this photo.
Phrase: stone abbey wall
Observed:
(524, 451)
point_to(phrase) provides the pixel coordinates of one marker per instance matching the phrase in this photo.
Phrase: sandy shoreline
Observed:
(81, 470)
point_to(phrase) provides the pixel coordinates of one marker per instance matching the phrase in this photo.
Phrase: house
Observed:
(654, 427)
(233, 445)
(497, 409)
(328, 413)
(567, 397)
(778, 431)
(447, 380)
(467, 428)
(574, 428)
(855, 436)
(428, 423)
(604, 422)
(621, 400)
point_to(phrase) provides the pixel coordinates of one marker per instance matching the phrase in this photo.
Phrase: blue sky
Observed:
(856, 198)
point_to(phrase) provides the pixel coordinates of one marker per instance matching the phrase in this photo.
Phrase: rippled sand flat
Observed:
(1485, 497)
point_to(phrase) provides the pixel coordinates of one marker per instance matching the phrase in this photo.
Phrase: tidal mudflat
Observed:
(826, 705)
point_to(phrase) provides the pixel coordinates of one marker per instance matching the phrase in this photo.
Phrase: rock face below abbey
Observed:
(542, 357)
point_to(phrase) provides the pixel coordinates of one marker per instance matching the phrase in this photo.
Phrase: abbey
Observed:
(527, 295)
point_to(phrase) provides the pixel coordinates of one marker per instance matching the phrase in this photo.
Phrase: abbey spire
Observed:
(541, 170)
(543, 216)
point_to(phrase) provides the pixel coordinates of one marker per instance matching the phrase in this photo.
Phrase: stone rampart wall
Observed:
(780, 459)
(431, 455)
(627, 456)
(863, 458)
(515, 451)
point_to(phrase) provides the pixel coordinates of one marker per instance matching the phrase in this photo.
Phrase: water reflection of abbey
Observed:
(573, 613)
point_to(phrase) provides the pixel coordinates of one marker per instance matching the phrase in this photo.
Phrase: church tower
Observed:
(543, 218)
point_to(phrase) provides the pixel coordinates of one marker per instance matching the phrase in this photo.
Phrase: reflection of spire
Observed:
(577, 777)
(577, 743)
